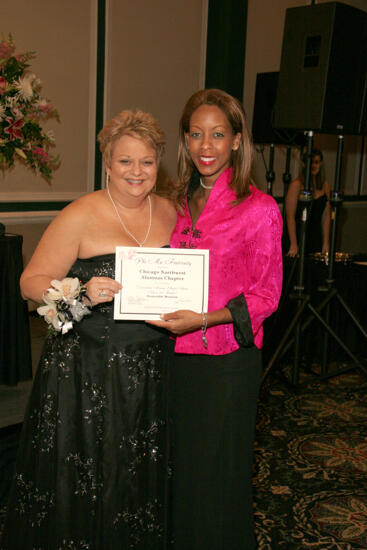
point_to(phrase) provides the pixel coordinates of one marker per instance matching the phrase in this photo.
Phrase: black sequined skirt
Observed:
(92, 468)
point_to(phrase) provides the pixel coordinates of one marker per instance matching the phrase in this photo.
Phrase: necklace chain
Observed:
(206, 186)
(124, 226)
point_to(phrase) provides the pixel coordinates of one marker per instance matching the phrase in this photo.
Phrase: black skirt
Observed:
(214, 400)
(92, 467)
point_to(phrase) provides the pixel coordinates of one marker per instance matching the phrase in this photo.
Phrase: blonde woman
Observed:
(91, 472)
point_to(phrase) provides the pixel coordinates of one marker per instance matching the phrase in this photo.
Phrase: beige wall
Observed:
(63, 36)
(156, 60)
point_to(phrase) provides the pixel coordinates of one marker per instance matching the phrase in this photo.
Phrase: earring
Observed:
(107, 179)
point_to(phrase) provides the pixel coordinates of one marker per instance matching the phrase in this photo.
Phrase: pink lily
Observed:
(14, 128)
(2, 85)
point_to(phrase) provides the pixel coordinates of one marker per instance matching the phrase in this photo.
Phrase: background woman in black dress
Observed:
(318, 223)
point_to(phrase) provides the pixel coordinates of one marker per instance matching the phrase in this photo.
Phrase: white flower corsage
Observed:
(63, 304)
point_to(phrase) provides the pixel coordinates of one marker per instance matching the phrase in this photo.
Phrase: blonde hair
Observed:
(241, 158)
(137, 124)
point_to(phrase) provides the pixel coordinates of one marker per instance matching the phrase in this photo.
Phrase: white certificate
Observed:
(160, 280)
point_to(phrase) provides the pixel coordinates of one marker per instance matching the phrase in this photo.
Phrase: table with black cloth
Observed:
(15, 346)
(351, 283)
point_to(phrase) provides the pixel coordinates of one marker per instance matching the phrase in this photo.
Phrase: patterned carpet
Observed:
(310, 465)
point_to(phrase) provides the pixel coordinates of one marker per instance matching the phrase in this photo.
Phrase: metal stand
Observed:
(336, 201)
(287, 178)
(303, 300)
(270, 175)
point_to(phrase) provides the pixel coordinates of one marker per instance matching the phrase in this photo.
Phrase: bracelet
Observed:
(204, 326)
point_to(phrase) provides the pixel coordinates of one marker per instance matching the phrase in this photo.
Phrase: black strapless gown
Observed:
(92, 466)
(314, 233)
(314, 236)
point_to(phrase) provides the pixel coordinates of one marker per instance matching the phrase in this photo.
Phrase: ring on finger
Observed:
(102, 293)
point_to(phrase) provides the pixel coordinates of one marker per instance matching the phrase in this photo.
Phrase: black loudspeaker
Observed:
(323, 69)
(263, 117)
(364, 109)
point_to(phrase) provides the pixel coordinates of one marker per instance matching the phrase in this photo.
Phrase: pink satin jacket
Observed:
(245, 257)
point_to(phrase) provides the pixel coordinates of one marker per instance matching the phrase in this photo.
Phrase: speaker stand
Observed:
(287, 178)
(304, 300)
(270, 175)
(330, 289)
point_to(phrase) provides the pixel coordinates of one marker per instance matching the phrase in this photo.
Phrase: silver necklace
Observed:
(206, 186)
(124, 226)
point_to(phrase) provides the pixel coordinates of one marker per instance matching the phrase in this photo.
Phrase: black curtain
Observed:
(226, 43)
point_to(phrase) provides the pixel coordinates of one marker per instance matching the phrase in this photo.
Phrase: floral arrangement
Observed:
(22, 109)
(63, 304)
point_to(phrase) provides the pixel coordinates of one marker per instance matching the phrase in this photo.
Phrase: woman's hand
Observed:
(102, 289)
(180, 322)
(293, 251)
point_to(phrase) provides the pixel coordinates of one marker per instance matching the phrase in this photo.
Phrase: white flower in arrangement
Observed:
(17, 113)
(20, 153)
(40, 103)
(2, 112)
(50, 314)
(24, 86)
(11, 101)
(68, 289)
(51, 136)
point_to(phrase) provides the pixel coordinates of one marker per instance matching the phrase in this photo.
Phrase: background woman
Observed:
(92, 463)
(217, 366)
(318, 223)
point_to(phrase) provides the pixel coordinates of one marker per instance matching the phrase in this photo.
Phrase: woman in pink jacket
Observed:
(217, 367)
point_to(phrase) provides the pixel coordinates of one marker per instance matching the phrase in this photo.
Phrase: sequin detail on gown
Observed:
(92, 468)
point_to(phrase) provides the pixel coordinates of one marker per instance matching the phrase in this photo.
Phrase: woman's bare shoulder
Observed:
(83, 204)
(76, 215)
(297, 183)
(88, 200)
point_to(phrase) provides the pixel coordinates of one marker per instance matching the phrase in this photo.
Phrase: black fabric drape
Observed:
(226, 45)
(15, 347)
